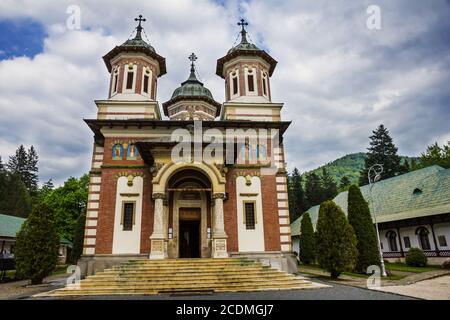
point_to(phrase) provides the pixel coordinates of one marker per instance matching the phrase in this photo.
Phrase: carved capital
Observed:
(218, 195)
(158, 195)
(155, 168)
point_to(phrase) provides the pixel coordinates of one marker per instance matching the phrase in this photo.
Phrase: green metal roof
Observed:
(10, 225)
(419, 193)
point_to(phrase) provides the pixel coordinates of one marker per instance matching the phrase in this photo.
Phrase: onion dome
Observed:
(136, 45)
(244, 48)
(192, 90)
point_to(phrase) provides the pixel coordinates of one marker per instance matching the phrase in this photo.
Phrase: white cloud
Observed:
(338, 80)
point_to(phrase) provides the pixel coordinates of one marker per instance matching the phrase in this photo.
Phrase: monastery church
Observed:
(143, 205)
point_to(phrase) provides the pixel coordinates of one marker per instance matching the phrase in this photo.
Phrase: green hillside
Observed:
(349, 165)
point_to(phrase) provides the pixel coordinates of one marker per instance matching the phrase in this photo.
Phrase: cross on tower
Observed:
(243, 23)
(192, 58)
(140, 19)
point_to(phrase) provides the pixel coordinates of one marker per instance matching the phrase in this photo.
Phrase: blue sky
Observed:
(338, 79)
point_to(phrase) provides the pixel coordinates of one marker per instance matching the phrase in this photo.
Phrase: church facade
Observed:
(207, 181)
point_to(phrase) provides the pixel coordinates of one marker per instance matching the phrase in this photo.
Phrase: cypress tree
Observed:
(361, 221)
(336, 240)
(307, 241)
(36, 251)
(382, 151)
(78, 239)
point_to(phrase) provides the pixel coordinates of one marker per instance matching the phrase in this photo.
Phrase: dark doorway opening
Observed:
(189, 239)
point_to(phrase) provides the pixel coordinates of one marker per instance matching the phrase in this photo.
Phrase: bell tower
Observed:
(135, 68)
(246, 70)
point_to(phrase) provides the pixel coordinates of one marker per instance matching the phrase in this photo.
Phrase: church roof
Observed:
(245, 48)
(138, 45)
(419, 193)
(192, 89)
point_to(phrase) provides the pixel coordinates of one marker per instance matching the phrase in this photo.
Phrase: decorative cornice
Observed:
(158, 195)
(218, 195)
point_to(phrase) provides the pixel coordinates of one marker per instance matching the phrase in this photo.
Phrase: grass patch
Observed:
(309, 269)
(404, 268)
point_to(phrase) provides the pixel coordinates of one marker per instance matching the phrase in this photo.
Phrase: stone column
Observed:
(219, 243)
(157, 238)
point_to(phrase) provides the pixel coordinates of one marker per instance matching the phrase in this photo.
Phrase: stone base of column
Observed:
(158, 249)
(219, 248)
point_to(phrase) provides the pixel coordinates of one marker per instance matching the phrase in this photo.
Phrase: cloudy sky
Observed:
(338, 78)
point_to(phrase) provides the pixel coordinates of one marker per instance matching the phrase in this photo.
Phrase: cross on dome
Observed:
(139, 27)
(192, 58)
(243, 23)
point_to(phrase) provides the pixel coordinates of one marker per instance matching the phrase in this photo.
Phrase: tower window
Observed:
(235, 85)
(249, 215)
(264, 86)
(130, 76)
(251, 85)
(115, 80)
(128, 216)
(146, 80)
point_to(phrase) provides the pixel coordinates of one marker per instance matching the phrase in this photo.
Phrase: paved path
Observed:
(432, 289)
(22, 289)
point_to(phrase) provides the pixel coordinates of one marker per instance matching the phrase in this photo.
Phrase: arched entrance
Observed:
(189, 193)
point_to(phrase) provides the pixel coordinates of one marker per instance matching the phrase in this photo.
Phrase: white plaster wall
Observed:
(128, 241)
(443, 229)
(250, 240)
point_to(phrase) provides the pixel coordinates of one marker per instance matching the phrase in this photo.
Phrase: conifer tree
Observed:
(15, 199)
(296, 195)
(435, 155)
(381, 151)
(361, 221)
(336, 240)
(36, 250)
(328, 186)
(307, 240)
(344, 183)
(313, 190)
(24, 163)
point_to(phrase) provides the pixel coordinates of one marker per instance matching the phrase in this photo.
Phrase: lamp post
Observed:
(374, 175)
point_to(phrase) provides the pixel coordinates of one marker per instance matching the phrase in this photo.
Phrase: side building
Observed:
(412, 210)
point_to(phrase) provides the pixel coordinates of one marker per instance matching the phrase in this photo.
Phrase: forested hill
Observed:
(349, 165)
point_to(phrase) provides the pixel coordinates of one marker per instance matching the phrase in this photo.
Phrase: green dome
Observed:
(137, 42)
(244, 46)
(192, 88)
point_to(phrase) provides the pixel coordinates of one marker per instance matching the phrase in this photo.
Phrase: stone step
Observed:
(184, 275)
(134, 291)
(196, 276)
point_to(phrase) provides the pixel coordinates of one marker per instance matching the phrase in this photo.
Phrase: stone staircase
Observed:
(184, 276)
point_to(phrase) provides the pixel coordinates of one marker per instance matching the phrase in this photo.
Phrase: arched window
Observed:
(117, 152)
(422, 234)
(132, 152)
(392, 240)
(261, 152)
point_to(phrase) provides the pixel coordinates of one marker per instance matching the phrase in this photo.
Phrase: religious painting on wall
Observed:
(117, 152)
(132, 152)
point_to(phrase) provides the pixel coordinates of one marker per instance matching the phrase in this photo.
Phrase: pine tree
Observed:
(336, 240)
(78, 239)
(296, 195)
(328, 186)
(435, 155)
(2, 167)
(24, 163)
(15, 199)
(382, 151)
(307, 240)
(313, 189)
(344, 183)
(361, 221)
(36, 250)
